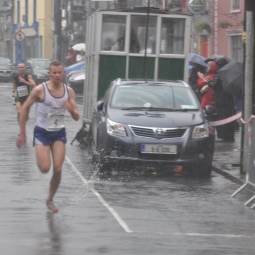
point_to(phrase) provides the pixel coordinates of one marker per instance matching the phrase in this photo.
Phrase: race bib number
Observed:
(55, 122)
(22, 91)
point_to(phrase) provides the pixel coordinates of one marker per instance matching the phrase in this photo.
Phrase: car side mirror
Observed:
(210, 110)
(100, 105)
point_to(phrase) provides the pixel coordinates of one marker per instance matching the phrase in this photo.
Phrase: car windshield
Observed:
(5, 61)
(41, 64)
(153, 97)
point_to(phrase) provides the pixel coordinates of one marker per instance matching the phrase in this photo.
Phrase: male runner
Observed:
(22, 86)
(52, 99)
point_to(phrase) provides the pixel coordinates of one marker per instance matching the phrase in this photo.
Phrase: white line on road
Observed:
(198, 234)
(113, 212)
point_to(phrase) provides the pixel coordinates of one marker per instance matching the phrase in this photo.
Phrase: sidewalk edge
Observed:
(228, 175)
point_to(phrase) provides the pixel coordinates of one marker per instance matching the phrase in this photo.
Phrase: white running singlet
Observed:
(50, 112)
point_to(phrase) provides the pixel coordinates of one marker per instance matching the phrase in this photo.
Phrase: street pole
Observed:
(248, 83)
(20, 61)
(249, 79)
(146, 41)
(58, 30)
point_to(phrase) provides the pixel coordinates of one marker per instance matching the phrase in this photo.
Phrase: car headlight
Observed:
(114, 128)
(200, 131)
(79, 77)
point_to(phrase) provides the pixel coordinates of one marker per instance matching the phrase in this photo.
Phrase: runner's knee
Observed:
(44, 168)
(57, 170)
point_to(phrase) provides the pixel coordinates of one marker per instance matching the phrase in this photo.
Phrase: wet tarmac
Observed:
(125, 213)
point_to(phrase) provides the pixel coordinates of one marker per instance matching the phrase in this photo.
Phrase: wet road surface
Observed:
(125, 213)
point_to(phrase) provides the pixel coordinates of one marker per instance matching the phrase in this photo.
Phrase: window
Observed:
(236, 50)
(113, 33)
(172, 36)
(235, 5)
(138, 34)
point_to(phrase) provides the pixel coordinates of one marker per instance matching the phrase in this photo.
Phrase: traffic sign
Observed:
(19, 36)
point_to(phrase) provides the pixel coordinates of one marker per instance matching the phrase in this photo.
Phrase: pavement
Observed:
(227, 159)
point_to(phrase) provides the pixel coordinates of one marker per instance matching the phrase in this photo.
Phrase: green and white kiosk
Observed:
(115, 48)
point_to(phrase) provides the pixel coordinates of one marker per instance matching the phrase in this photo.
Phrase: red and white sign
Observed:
(20, 36)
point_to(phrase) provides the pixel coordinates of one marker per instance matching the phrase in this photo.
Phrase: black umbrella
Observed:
(231, 76)
(214, 57)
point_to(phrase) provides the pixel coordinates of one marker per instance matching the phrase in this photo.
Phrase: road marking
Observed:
(197, 234)
(113, 212)
(5, 86)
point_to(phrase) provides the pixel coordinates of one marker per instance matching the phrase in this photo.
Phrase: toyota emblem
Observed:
(159, 131)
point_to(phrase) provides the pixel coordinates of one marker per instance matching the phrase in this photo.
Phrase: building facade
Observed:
(6, 19)
(34, 19)
(228, 28)
(202, 30)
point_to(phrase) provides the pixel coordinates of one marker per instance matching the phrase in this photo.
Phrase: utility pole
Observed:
(249, 80)
(250, 6)
(58, 29)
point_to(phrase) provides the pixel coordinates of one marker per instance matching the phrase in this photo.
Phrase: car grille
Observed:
(152, 132)
(5, 72)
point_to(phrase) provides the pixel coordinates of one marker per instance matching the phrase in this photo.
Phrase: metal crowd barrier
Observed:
(250, 173)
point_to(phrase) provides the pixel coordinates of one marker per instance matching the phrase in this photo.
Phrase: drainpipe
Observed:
(215, 27)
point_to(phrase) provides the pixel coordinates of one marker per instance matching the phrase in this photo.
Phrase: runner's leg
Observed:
(18, 107)
(43, 157)
(58, 151)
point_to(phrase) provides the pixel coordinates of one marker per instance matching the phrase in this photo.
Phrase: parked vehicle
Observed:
(152, 123)
(74, 67)
(6, 70)
(76, 80)
(38, 68)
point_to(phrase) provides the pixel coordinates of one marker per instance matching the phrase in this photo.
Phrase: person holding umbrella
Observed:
(70, 57)
(193, 78)
(80, 56)
(198, 65)
(205, 90)
(224, 90)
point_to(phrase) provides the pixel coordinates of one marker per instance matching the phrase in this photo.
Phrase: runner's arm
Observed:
(14, 87)
(71, 105)
(30, 82)
(32, 98)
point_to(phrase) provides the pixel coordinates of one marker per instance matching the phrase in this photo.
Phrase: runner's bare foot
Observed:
(51, 206)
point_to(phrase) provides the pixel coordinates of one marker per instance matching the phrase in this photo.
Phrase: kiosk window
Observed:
(172, 36)
(138, 33)
(113, 33)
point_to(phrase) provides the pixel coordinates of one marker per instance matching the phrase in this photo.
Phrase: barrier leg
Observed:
(253, 206)
(249, 200)
(240, 189)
